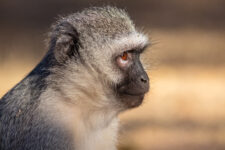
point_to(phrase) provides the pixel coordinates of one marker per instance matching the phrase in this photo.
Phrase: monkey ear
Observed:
(65, 42)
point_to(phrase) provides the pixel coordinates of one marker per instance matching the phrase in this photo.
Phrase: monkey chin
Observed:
(131, 101)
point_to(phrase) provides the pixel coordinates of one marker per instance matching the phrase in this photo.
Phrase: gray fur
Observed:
(69, 97)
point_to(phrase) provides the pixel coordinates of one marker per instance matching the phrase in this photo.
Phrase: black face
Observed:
(136, 82)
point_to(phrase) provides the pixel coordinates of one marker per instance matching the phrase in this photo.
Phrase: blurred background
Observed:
(185, 109)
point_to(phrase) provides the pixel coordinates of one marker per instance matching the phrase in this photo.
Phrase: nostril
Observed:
(144, 80)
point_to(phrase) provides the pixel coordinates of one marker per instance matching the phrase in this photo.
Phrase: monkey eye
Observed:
(124, 56)
(124, 59)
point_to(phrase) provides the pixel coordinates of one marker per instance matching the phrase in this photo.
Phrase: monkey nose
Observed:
(144, 78)
(144, 82)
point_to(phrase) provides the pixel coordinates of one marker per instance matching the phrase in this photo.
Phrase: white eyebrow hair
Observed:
(133, 41)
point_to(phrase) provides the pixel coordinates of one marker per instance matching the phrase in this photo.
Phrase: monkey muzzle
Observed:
(132, 92)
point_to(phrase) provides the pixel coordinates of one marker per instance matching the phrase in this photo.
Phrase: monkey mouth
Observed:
(134, 94)
(132, 90)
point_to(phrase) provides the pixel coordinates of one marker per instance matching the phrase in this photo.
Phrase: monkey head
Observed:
(105, 41)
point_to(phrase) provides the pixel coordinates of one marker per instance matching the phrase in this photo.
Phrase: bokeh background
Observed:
(185, 109)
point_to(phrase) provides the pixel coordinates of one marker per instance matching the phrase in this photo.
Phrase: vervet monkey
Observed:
(71, 99)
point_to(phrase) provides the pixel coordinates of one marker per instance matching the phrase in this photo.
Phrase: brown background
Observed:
(185, 108)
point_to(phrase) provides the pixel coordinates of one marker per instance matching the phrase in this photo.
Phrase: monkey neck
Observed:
(87, 124)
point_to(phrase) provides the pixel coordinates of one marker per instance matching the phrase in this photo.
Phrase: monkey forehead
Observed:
(101, 21)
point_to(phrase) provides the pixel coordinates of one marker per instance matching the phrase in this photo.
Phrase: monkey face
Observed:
(103, 49)
(135, 84)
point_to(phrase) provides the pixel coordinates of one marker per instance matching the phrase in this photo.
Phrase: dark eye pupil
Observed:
(124, 56)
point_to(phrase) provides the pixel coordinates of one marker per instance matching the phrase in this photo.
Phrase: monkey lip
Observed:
(134, 94)
(132, 90)
(134, 97)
